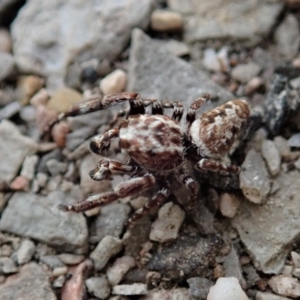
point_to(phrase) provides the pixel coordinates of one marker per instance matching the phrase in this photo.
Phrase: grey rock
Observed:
(99, 29)
(232, 20)
(28, 168)
(287, 37)
(25, 251)
(294, 140)
(13, 151)
(31, 284)
(232, 267)
(7, 266)
(166, 227)
(199, 287)
(71, 259)
(108, 247)
(51, 261)
(66, 231)
(130, 289)
(173, 46)
(111, 222)
(10, 110)
(59, 282)
(186, 255)
(7, 63)
(272, 156)
(268, 296)
(258, 224)
(151, 64)
(56, 167)
(98, 286)
(120, 267)
(173, 294)
(254, 178)
(245, 72)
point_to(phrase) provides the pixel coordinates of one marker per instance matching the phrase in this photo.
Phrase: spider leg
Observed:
(107, 167)
(190, 184)
(216, 166)
(156, 201)
(177, 109)
(191, 114)
(98, 103)
(101, 142)
(130, 187)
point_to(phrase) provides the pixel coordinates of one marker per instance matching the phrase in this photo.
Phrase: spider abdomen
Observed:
(216, 130)
(153, 141)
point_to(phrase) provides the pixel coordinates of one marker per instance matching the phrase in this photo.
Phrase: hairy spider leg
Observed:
(177, 109)
(191, 114)
(191, 185)
(156, 201)
(216, 166)
(98, 103)
(132, 186)
(106, 168)
(101, 142)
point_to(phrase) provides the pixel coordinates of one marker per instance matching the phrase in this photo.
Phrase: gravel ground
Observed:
(242, 239)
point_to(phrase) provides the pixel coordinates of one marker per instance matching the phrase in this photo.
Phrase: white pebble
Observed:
(164, 20)
(272, 156)
(229, 205)
(285, 286)
(114, 82)
(227, 288)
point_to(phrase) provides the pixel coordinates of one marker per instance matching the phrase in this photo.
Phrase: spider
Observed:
(158, 146)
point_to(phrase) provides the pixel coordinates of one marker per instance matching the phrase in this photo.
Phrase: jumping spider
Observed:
(157, 146)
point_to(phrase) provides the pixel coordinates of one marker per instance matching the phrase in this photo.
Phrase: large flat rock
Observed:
(269, 230)
(39, 218)
(156, 73)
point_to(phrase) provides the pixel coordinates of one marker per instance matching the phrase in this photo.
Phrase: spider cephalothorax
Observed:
(157, 146)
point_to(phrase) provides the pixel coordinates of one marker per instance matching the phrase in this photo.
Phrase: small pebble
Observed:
(296, 259)
(210, 60)
(227, 288)
(253, 85)
(51, 261)
(272, 156)
(28, 167)
(219, 271)
(120, 267)
(59, 282)
(6, 250)
(283, 147)
(59, 271)
(28, 113)
(71, 259)
(59, 133)
(40, 98)
(25, 251)
(55, 167)
(43, 117)
(245, 72)
(10, 110)
(294, 140)
(108, 247)
(28, 86)
(114, 82)
(166, 227)
(229, 205)
(62, 99)
(7, 266)
(164, 20)
(20, 183)
(130, 289)
(254, 178)
(285, 286)
(98, 286)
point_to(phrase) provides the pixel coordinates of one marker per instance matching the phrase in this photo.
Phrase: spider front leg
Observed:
(156, 201)
(191, 114)
(125, 189)
(177, 109)
(216, 166)
(101, 142)
(107, 167)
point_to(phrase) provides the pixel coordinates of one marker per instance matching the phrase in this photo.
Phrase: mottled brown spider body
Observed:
(157, 145)
(152, 141)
